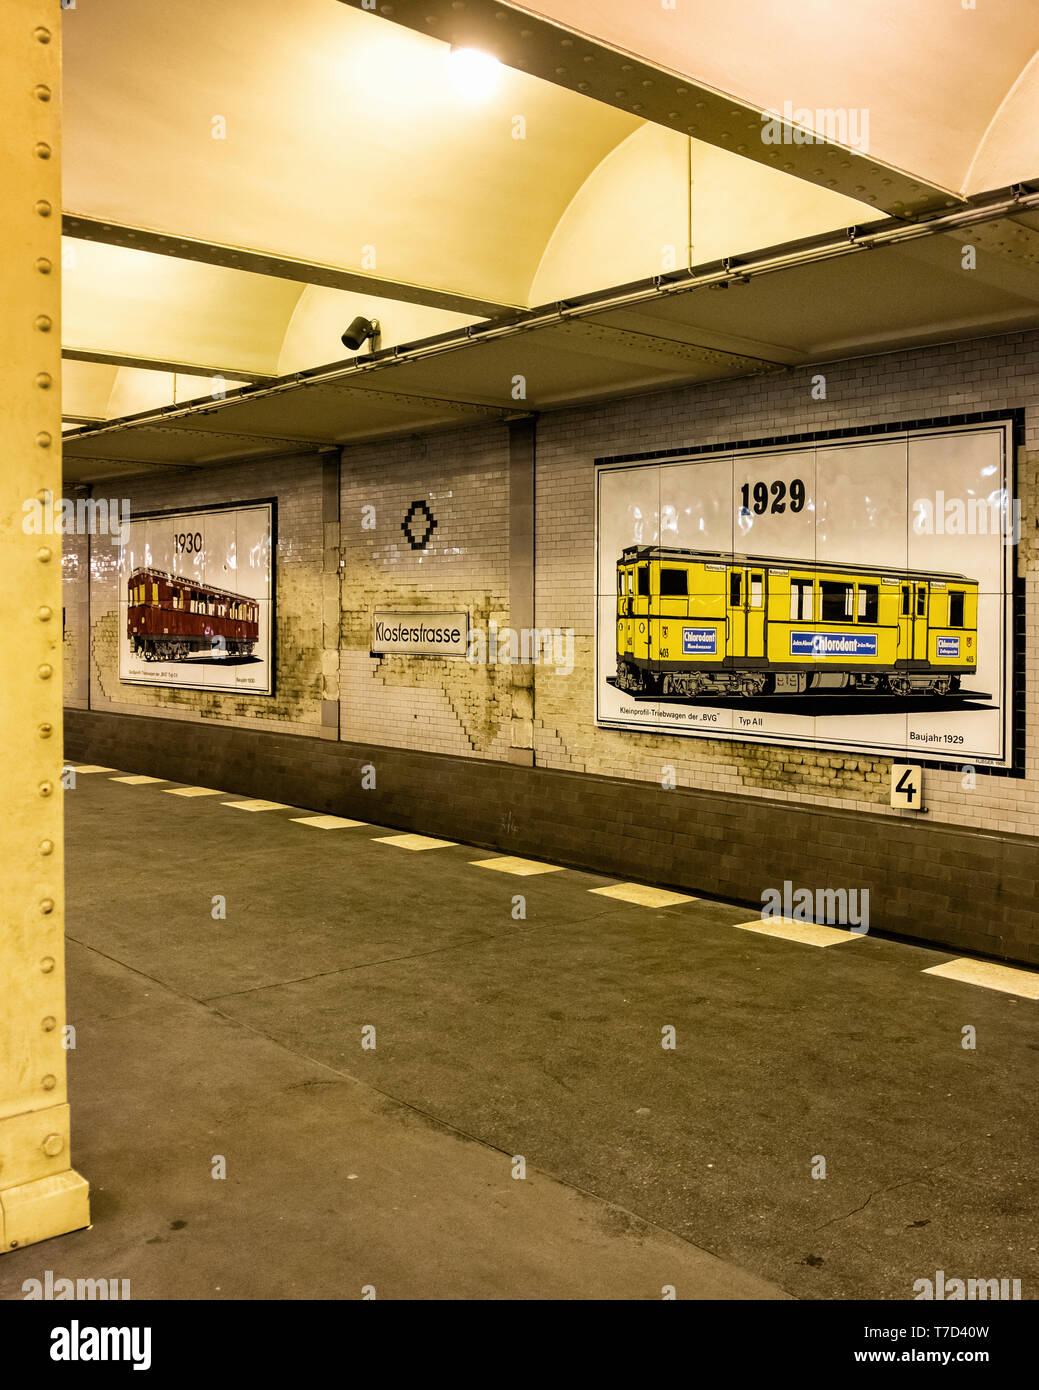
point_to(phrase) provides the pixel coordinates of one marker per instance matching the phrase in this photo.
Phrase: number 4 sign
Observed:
(907, 781)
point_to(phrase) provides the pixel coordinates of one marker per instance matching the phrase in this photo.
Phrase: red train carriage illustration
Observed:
(170, 618)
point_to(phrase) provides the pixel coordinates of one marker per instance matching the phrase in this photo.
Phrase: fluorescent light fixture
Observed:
(473, 74)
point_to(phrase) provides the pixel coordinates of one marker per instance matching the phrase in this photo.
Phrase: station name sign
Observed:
(420, 634)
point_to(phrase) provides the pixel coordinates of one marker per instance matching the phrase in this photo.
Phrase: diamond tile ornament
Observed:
(419, 525)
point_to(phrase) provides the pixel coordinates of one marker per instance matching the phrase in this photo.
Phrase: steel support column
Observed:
(40, 1194)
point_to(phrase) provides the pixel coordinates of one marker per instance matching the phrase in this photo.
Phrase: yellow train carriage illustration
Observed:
(693, 622)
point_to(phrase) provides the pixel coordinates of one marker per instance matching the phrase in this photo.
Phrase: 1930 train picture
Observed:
(172, 618)
(693, 623)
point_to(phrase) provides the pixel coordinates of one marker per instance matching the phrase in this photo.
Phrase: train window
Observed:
(757, 589)
(837, 600)
(735, 588)
(905, 600)
(921, 600)
(620, 581)
(643, 581)
(674, 583)
(956, 609)
(801, 599)
(868, 600)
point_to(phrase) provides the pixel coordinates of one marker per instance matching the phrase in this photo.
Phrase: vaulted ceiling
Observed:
(242, 180)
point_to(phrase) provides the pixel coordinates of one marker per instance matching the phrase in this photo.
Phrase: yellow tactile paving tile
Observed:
(643, 896)
(327, 822)
(988, 975)
(412, 841)
(91, 767)
(257, 804)
(509, 864)
(137, 780)
(194, 791)
(808, 933)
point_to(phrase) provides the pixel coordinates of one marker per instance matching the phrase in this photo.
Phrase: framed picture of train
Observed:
(850, 593)
(196, 599)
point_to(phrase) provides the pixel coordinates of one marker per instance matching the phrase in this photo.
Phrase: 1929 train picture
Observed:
(700, 623)
(173, 618)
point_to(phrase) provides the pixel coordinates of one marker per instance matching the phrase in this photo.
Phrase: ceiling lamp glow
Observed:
(473, 74)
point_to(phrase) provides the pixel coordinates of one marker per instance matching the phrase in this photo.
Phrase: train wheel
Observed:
(751, 685)
(637, 681)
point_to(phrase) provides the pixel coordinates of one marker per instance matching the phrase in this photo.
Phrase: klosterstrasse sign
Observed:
(420, 634)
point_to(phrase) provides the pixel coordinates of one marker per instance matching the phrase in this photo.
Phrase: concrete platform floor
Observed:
(495, 1037)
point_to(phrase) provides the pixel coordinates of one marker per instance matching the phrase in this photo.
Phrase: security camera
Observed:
(360, 331)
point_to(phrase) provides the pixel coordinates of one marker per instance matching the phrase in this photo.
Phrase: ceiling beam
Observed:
(282, 267)
(1021, 200)
(569, 58)
(155, 364)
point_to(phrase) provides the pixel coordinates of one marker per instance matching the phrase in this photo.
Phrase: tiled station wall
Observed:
(339, 559)
(987, 374)
(332, 564)
(301, 657)
(442, 704)
(75, 620)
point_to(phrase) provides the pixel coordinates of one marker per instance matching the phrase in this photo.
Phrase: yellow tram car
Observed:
(693, 622)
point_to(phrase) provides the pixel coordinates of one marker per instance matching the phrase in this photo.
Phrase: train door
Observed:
(625, 627)
(736, 613)
(640, 604)
(905, 622)
(755, 582)
(920, 592)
